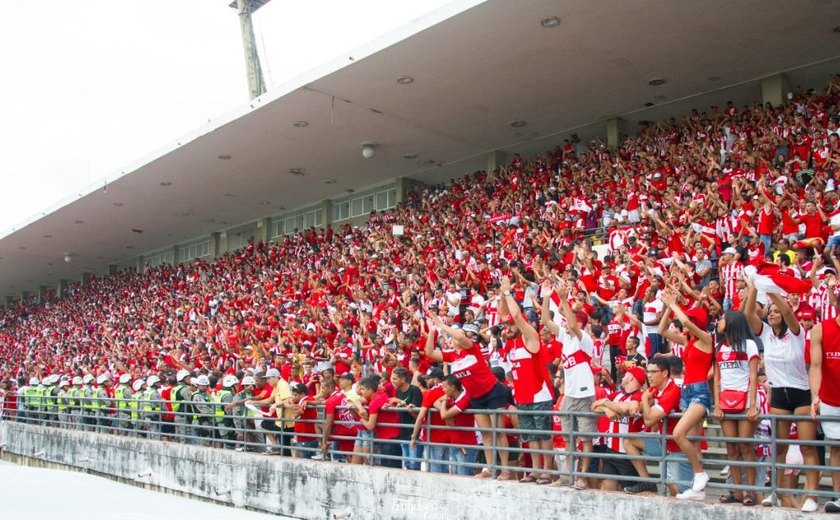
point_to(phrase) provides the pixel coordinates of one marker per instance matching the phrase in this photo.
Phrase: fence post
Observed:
(663, 464)
(494, 417)
(773, 450)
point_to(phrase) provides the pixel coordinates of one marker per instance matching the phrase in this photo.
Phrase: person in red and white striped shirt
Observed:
(729, 269)
(622, 408)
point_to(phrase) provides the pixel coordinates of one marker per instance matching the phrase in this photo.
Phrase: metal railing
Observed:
(245, 428)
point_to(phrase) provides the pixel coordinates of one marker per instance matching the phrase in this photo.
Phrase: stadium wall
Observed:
(310, 489)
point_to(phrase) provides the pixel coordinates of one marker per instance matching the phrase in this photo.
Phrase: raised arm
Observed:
(787, 313)
(508, 303)
(431, 352)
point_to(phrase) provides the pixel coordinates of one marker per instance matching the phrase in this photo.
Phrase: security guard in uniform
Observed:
(135, 406)
(74, 406)
(122, 398)
(204, 413)
(62, 403)
(48, 400)
(225, 428)
(88, 410)
(32, 401)
(180, 397)
(151, 407)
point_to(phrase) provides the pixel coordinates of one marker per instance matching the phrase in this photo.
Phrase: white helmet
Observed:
(77, 380)
(63, 383)
(33, 381)
(182, 374)
(248, 380)
(87, 379)
(202, 381)
(152, 380)
(101, 379)
(229, 381)
(137, 385)
(125, 378)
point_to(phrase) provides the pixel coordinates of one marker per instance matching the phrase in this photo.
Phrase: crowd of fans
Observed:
(627, 282)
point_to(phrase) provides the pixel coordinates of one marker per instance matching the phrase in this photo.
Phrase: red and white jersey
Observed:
(472, 369)
(734, 366)
(491, 312)
(577, 353)
(531, 380)
(626, 424)
(729, 274)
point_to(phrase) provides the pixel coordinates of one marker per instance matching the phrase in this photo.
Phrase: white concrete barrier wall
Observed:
(320, 490)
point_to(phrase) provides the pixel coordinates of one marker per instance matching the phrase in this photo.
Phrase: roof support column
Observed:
(326, 210)
(263, 230)
(62, 288)
(223, 243)
(86, 277)
(614, 127)
(495, 160)
(141, 264)
(214, 245)
(113, 269)
(42, 293)
(774, 89)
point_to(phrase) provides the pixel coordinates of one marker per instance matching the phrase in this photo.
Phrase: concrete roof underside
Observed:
(477, 67)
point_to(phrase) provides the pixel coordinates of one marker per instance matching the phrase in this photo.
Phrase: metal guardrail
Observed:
(243, 429)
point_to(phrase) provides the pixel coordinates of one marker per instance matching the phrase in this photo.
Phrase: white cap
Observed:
(152, 380)
(248, 380)
(730, 251)
(272, 372)
(33, 380)
(137, 385)
(125, 378)
(202, 381)
(87, 379)
(77, 380)
(229, 381)
(182, 374)
(63, 383)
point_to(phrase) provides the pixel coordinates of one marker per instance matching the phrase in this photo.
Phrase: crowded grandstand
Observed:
(577, 300)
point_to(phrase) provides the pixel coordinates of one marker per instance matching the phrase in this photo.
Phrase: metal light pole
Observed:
(256, 83)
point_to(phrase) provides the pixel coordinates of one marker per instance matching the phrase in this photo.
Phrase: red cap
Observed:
(806, 314)
(638, 374)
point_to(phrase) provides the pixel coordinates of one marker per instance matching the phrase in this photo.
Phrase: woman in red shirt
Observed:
(486, 393)
(696, 397)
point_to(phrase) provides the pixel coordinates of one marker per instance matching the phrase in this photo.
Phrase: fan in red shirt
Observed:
(438, 434)
(660, 399)
(620, 407)
(451, 406)
(383, 423)
(467, 364)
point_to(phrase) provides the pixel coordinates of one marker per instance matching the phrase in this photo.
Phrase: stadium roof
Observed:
(476, 68)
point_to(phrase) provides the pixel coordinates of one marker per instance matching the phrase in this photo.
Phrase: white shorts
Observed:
(830, 428)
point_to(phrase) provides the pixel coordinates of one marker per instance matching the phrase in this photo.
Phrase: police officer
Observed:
(102, 403)
(48, 398)
(88, 409)
(135, 406)
(74, 405)
(151, 408)
(122, 398)
(203, 411)
(180, 397)
(225, 428)
(32, 401)
(62, 403)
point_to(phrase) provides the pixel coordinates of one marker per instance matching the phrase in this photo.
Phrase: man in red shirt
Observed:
(436, 429)
(824, 376)
(451, 407)
(383, 423)
(662, 398)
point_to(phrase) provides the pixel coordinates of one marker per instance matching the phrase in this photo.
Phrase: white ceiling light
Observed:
(368, 149)
(301, 124)
(550, 22)
(405, 80)
(655, 82)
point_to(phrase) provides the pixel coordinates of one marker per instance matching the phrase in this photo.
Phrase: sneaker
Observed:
(240, 449)
(690, 494)
(641, 487)
(725, 471)
(318, 456)
(700, 481)
(810, 506)
(770, 501)
(833, 506)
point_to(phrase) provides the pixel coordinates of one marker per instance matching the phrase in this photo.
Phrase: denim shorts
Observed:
(364, 440)
(696, 393)
(541, 421)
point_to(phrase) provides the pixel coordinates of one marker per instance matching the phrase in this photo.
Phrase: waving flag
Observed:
(768, 279)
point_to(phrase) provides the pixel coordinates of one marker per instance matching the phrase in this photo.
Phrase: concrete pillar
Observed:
(9, 300)
(24, 295)
(614, 126)
(774, 89)
(174, 254)
(86, 277)
(42, 293)
(495, 160)
(113, 269)
(223, 243)
(326, 212)
(214, 245)
(263, 232)
(62, 288)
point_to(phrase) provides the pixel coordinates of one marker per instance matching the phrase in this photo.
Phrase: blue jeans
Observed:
(655, 344)
(767, 240)
(833, 242)
(698, 393)
(461, 456)
(439, 459)
(409, 453)
(677, 468)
